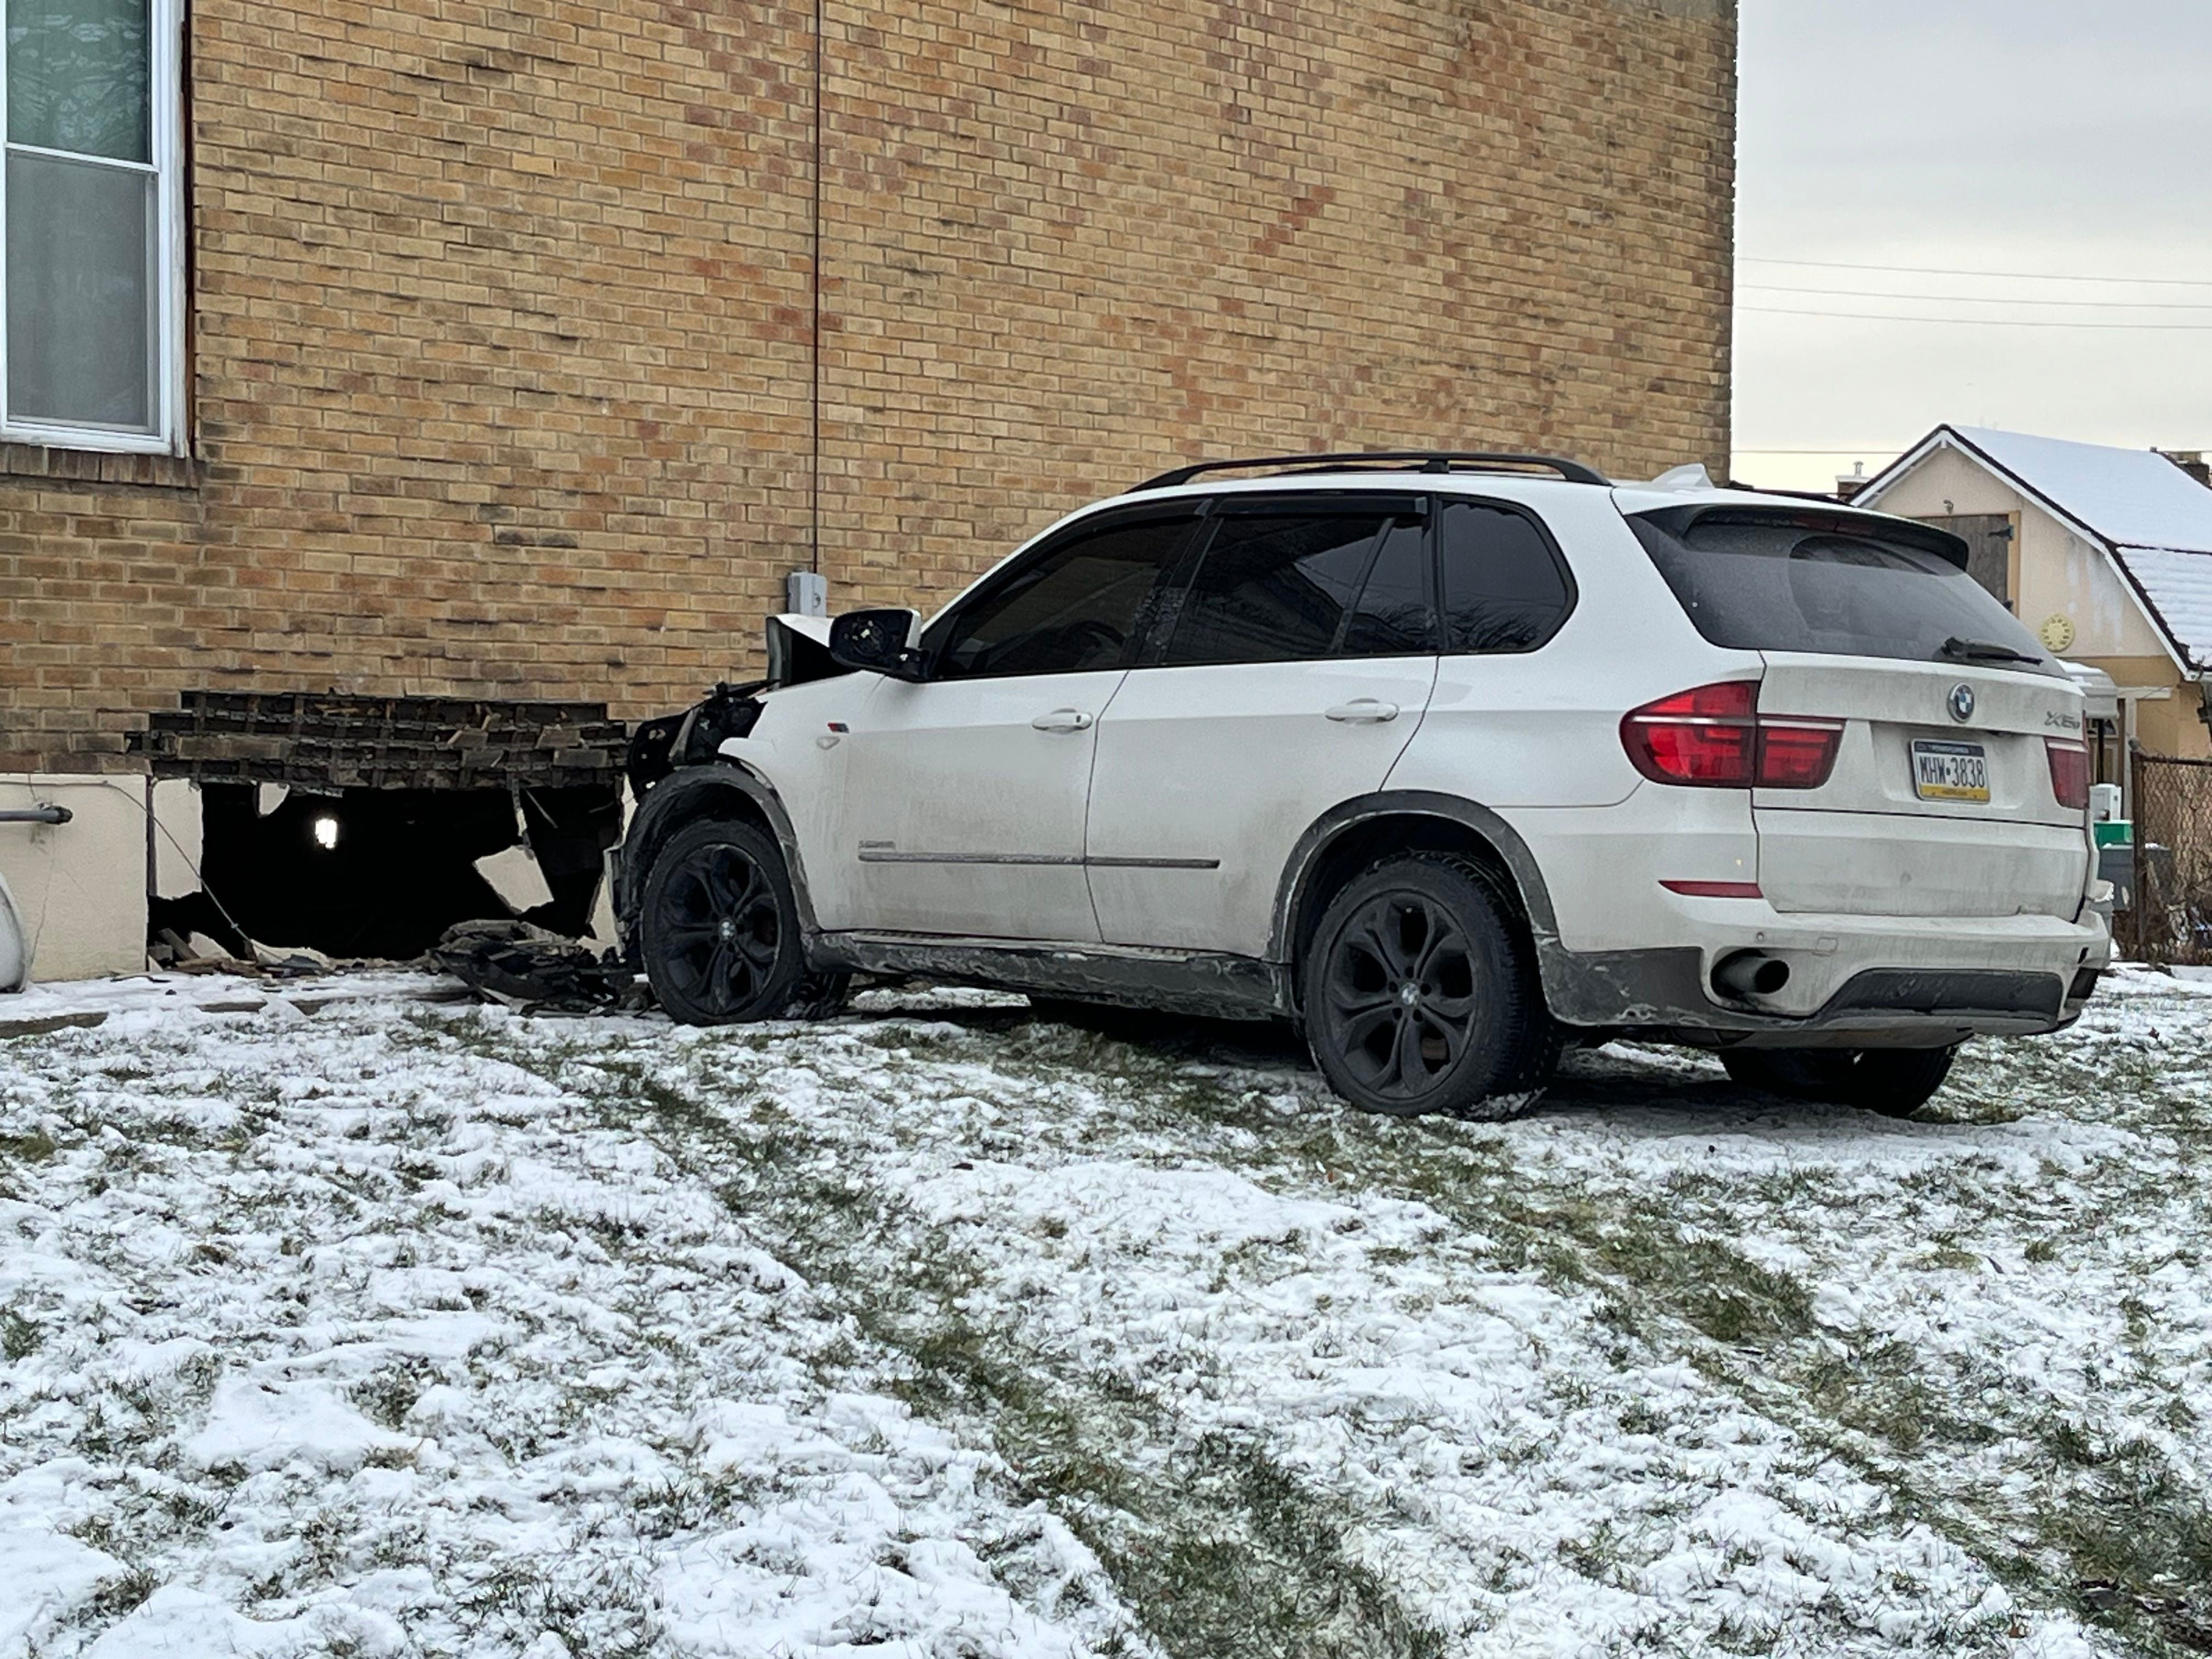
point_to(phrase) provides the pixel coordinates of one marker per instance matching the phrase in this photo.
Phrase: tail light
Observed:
(1797, 755)
(1713, 737)
(1704, 737)
(2070, 773)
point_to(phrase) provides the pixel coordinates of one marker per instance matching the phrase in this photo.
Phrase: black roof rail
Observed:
(1424, 460)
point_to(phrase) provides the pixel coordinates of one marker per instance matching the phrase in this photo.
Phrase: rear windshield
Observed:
(1783, 582)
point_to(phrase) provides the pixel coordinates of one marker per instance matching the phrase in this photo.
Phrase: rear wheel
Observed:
(1895, 1082)
(719, 932)
(1421, 994)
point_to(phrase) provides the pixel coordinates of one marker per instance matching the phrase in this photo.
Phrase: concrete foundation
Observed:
(80, 886)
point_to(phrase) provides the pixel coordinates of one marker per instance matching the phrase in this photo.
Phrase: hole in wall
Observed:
(385, 872)
(195, 913)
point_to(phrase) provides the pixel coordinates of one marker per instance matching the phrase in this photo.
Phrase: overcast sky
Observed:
(1981, 136)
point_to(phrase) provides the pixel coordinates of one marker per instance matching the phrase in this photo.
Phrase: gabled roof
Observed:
(2176, 587)
(2129, 497)
(2152, 518)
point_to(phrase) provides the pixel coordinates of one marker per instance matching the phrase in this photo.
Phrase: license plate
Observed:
(1951, 771)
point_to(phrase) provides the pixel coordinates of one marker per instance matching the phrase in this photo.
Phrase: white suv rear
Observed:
(1447, 759)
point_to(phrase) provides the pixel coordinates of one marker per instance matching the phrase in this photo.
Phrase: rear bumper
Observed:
(1853, 981)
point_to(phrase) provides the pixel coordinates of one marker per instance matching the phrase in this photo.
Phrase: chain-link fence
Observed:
(2168, 915)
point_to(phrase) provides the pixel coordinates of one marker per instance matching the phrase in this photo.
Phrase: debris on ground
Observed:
(197, 953)
(525, 967)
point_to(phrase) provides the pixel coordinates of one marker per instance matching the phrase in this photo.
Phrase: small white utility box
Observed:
(806, 594)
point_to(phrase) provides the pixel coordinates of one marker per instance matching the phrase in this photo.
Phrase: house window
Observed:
(91, 305)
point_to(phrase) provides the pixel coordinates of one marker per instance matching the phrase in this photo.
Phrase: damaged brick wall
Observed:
(381, 743)
(501, 347)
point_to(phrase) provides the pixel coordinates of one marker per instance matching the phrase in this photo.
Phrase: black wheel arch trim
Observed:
(686, 795)
(1291, 895)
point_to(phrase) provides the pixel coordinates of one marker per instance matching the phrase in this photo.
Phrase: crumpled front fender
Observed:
(718, 789)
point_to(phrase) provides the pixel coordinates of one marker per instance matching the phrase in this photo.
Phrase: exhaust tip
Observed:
(1750, 974)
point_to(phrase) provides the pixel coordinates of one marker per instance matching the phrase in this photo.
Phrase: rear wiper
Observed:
(1955, 649)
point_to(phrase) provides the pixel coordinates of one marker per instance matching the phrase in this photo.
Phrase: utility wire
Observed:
(1974, 298)
(2007, 276)
(1978, 322)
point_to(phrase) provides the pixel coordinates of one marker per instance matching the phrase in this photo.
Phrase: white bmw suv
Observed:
(1450, 759)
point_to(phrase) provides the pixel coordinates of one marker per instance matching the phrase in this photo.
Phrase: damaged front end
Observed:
(658, 747)
(797, 651)
(676, 771)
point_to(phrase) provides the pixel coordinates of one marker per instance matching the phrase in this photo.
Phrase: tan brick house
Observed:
(511, 354)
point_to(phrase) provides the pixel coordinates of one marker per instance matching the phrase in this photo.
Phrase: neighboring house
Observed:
(397, 396)
(2105, 554)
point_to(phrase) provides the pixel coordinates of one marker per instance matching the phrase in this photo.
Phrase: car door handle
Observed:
(1063, 720)
(1363, 711)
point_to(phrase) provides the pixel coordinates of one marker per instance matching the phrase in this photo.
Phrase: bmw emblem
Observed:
(1962, 702)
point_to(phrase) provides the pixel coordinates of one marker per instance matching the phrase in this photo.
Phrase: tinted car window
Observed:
(1076, 606)
(1274, 588)
(1503, 589)
(1396, 616)
(1769, 581)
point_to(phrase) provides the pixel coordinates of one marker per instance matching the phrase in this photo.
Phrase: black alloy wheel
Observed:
(1895, 1081)
(1421, 994)
(720, 931)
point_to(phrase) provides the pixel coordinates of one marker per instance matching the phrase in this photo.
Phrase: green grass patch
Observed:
(31, 1146)
(19, 1337)
(1220, 1552)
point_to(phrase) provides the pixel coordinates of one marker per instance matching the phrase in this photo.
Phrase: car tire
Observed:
(719, 933)
(1421, 994)
(1895, 1081)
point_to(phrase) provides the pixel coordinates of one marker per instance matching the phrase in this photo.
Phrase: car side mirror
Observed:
(876, 641)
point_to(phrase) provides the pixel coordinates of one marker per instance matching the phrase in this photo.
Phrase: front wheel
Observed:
(1421, 994)
(1895, 1081)
(719, 932)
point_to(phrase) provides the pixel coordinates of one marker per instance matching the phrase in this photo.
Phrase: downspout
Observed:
(814, 330)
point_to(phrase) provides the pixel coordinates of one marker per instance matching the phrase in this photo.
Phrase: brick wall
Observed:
(502, 369)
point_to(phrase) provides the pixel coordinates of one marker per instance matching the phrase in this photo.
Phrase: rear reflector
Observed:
(2070, 773)
(1712, 738)
(1714, 889)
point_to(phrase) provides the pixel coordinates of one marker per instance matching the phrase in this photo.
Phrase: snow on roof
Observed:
(2179, 589)
(2154, 518)
(2129, 497)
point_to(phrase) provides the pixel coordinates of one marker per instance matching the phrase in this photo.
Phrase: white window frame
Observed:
(165, 47)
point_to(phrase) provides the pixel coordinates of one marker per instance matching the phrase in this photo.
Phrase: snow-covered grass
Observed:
(396, 1328)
